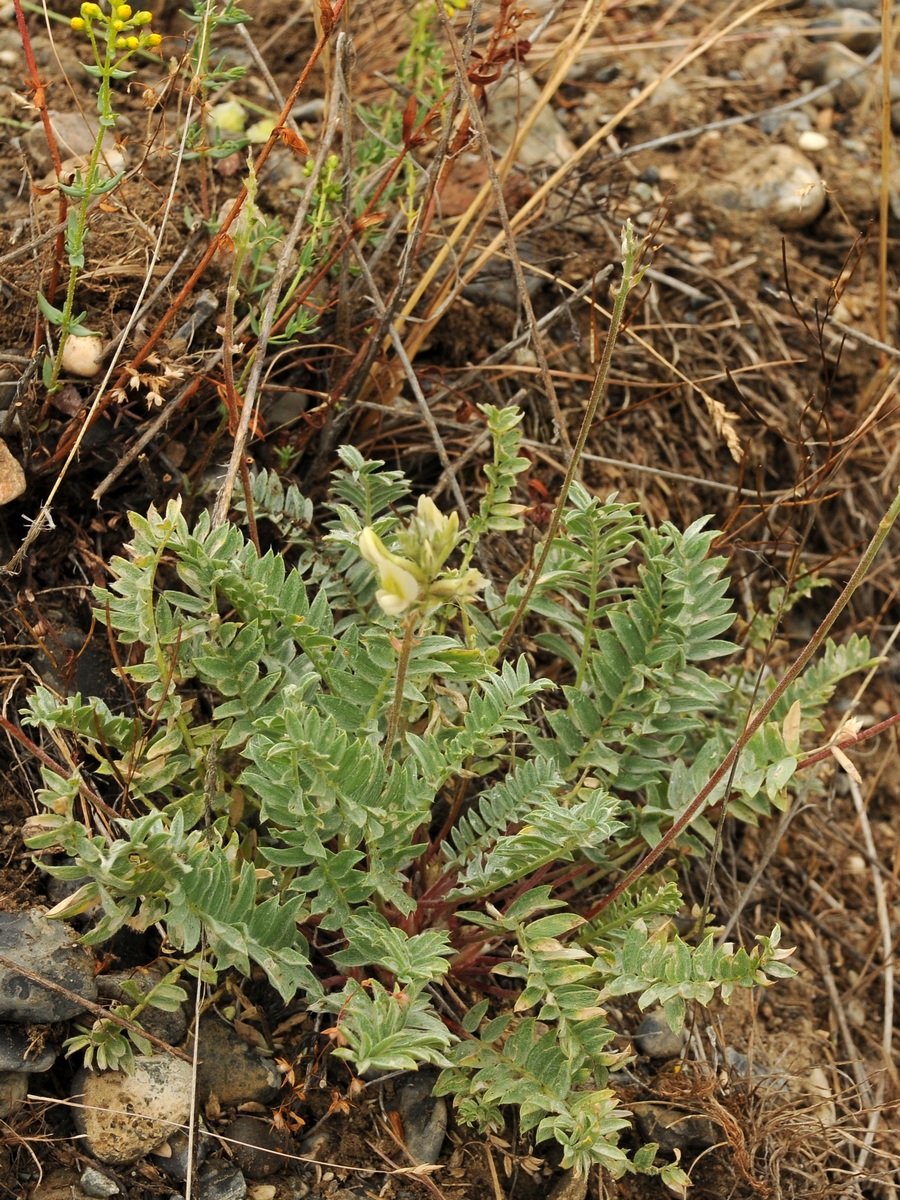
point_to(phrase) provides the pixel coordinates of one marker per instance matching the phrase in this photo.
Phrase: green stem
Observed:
(397, 704)
(811, 647)
(629, 279)
(76, 239)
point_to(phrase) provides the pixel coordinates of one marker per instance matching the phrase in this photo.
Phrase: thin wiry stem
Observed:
(630, 254)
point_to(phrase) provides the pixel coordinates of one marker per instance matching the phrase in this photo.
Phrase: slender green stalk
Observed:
(122, 32)
(402, 666)
(629, 279)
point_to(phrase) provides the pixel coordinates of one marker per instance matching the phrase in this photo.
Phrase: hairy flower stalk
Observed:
(414, 581)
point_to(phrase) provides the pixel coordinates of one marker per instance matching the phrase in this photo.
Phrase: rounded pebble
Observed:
(258, 1150)
(12, 477)
(83, 355)
(123, 1117)
(230, 1069)
(811, 140)
(95, 1183)
(655, 1038)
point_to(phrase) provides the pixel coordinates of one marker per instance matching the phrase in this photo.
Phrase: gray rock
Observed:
(123, 1117)
(75, 133)
(173, 1155)
(95, 1183)
(655, 1038)
(171, 1026)
(848, 74)
(764, 63)
(258, 1150)
(516, 95)
(778, 182)
(220, 1181)
(19, 1051)
(423, 1116)
(497, 282)
(759, 1074)
(674, 1128)
(13, 1090)
(47, 948)
(230, 1069)
(858, 31)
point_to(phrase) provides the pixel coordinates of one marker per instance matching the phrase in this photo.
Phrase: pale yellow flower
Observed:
(399, 586)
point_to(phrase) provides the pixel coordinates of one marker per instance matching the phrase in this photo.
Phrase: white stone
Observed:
(811, 140)
(83, 355)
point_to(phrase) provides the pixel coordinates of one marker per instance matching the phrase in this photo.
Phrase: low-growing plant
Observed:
(328, 770)
(115, 32)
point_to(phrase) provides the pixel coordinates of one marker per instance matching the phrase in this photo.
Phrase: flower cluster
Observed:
(124, 26)
(416, 577)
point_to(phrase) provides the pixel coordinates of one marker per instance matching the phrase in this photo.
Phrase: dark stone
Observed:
(675, 1129)
(47, 948)
(172, 1157)
(258, 1150)
(171, 1026)
(230, 1069)
(220, 1181)
(21, 1052)
(423, 1116)
(655, 1038)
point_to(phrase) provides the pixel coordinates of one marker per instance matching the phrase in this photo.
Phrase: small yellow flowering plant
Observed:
(115, 33)
(416, 578)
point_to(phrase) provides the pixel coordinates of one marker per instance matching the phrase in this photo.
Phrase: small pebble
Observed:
(812, 140)
(95, 1183)
(675, 1129)
(220, 1181)
(258, 1150)
(230, 1069)
(856, 30)
(123, 1117)
(423, 1116)
(655, 1038)
(570, 1187)
(778, 181)
(83, 356)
